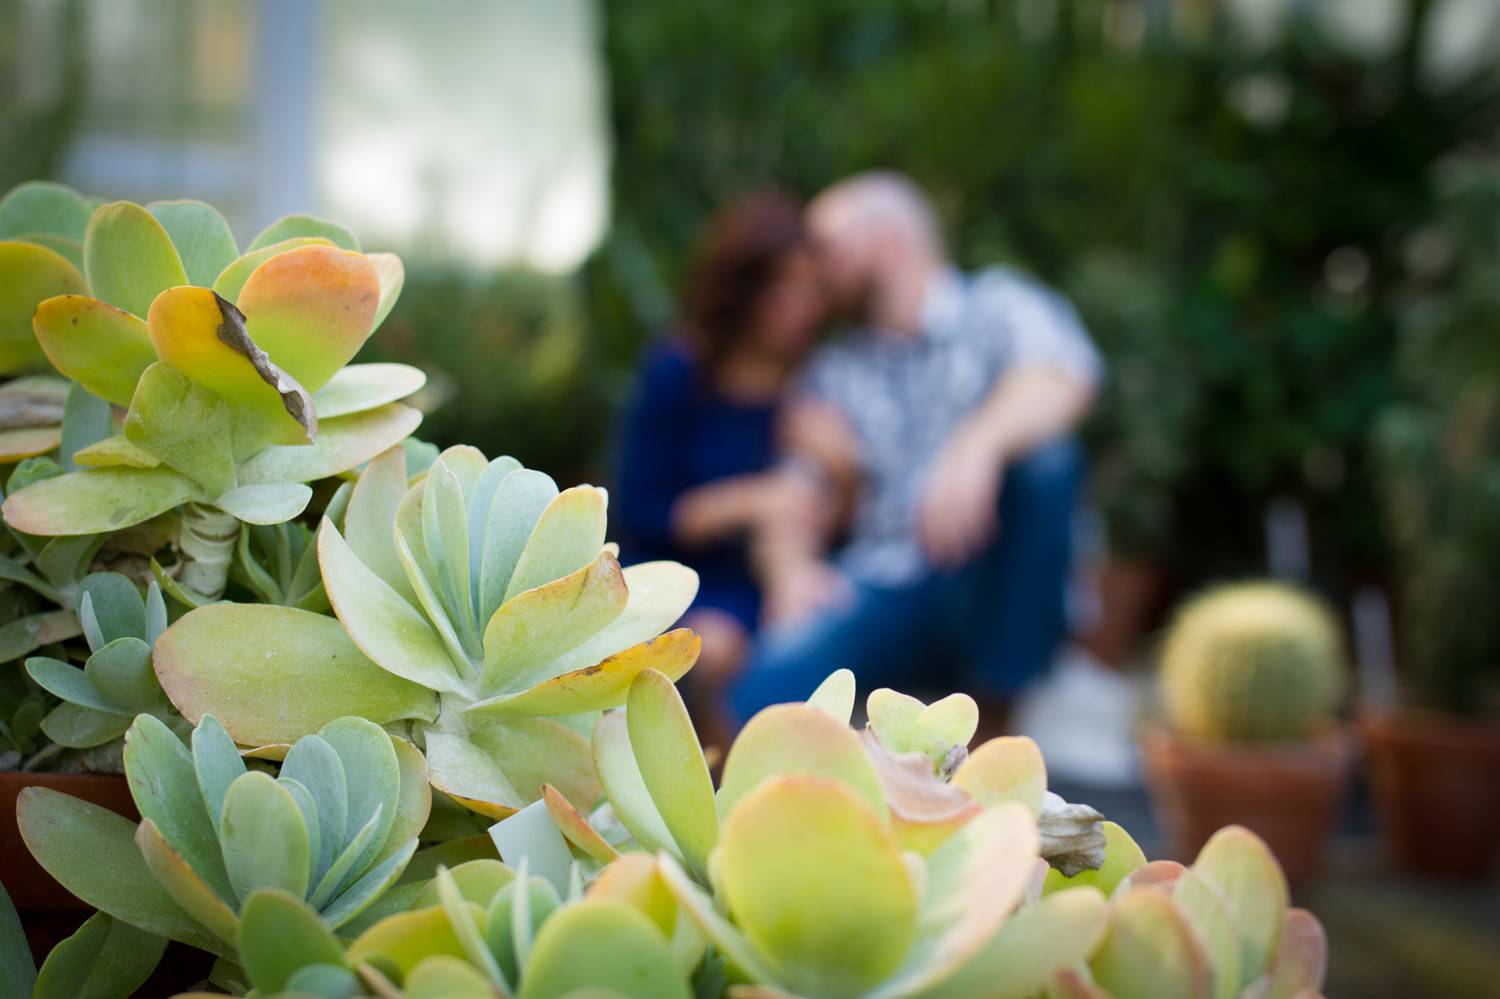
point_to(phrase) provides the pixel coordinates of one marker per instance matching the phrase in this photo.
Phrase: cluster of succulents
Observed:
(397, 723)
(1252, 662)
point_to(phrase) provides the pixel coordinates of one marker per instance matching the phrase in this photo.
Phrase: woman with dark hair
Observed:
(696, 480)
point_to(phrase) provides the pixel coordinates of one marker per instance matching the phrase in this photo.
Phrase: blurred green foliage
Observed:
(1440, 451)
(507, 363)
(1229, 220)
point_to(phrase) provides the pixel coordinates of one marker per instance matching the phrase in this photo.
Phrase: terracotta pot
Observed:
(1288, 794)
(1436, 783)
(31, 888)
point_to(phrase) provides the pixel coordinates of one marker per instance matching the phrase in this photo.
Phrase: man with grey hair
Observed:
(936, 438)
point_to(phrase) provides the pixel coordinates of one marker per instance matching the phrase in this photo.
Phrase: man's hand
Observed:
(959, 511)
(800, 589)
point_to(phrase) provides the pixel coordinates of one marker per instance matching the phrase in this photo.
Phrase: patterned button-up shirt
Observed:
(905, 395)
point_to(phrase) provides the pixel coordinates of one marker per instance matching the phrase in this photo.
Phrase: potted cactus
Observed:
(1432, 760)
(1251, 677)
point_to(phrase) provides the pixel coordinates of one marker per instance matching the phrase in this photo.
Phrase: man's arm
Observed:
(1030, 405)
(819, 476)
(1041, 396)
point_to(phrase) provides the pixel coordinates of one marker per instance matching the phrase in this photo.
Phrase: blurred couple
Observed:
(866, 454)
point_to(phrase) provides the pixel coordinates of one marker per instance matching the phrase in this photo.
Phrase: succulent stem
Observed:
(206, 540)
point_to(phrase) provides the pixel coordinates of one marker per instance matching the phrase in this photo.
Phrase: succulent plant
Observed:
(479, 930)
(1251, 662)
(657, 782)
(231, 368)
(100, 701)
(334, 829)
(1219, 929)
(480, 603)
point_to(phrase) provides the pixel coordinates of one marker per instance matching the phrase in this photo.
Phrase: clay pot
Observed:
(1288, 794)
(31, 888)
(1436, 784)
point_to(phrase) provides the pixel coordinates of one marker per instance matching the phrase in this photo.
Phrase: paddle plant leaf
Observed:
(672, 766)
(201, 236)
(103, 348)
(832, 910)
(311, 309)
(224, 658)
(129, 258)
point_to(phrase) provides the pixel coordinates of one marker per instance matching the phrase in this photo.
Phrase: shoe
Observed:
(1082, 714)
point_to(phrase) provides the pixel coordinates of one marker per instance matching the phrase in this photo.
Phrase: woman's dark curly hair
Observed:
(737, 260)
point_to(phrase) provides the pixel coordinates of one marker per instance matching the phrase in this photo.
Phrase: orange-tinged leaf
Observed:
(232, 278)
(575, 827)
(27, 442)
(603, 685)
(203, 336)
(311, 309)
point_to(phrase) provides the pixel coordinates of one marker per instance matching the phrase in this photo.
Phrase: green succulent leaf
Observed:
(515, 504)
(103, 959)
(798, 739)
(444, 977)
(201, 236)
(478, 881)
(79, 727)
(217, 764)
(530, 838)
(223, 657)
(183, 884)
(265, 840)
(374, 883)
(91, 851)
(17, 970)
(358, 387)
(974, 880)
(505, 762)
(87, 420)
(371, 514)
(103, 348)
(380, 621)
(832, 910)
(303, 226)
(67, 682)
(567, 537)
(392, 276)
(129, 258)
(1040, 939)
(835, 695)
(33, 274)
(1237, 863)
(534, 628)
(406, 938)
(115, 451)
(1150, 951)
(39, 206)
(186, 426)
(343, 443)
(121, 672)
(278, 936)
(672, 766)
(266, 502)
(98, 501)
(615, 759)
(1207, 912)
(625, 951)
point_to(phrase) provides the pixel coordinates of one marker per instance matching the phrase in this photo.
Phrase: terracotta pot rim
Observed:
(48, 777)
(1334, 740)
(1424, 725)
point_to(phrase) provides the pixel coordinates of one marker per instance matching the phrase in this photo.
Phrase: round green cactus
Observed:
(1252, 662)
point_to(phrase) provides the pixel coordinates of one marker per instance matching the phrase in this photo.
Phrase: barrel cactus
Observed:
(1252, 662)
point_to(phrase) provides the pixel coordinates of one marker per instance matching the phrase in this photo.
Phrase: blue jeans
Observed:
(985, 628)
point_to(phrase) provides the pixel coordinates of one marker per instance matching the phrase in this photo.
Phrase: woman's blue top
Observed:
(679, 433)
